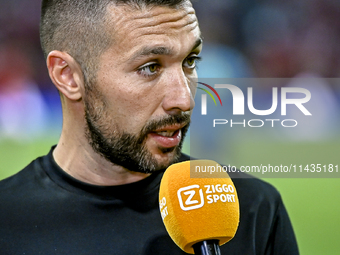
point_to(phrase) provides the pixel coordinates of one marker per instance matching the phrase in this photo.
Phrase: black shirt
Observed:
(43, 210)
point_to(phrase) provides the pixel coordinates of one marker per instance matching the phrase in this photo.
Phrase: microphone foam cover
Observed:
(198, 209)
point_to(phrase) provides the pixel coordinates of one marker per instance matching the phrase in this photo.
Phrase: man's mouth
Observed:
(169, 131)
(166, 133)
(168, 137)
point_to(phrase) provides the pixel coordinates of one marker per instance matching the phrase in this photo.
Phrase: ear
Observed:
(66, 74)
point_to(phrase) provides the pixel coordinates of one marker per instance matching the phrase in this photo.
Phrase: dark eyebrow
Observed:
(154, 51)
(146, 51)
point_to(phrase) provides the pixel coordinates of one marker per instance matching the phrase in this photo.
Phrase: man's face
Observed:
(138, 110)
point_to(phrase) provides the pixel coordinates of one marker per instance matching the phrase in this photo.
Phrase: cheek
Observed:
(133, 107)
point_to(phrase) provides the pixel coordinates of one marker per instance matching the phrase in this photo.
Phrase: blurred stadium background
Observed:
(243, 39)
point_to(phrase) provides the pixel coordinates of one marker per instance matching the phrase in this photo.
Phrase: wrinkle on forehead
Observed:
(180, 18)
(158, 19)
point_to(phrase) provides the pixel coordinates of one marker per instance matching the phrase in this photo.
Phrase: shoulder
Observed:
(255, 189)
(23, 180)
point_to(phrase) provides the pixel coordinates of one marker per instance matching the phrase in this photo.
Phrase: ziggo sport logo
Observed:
(239, 99)
(193, 197)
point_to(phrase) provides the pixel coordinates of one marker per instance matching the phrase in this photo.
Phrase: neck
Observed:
(81, 162)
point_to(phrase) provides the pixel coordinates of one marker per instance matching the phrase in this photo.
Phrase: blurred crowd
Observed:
(242, 39)
(277, 38)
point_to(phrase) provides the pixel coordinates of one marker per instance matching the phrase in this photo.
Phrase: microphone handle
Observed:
(209, 247)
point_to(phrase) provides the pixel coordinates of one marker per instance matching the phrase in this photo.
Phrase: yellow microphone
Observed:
(199, 213)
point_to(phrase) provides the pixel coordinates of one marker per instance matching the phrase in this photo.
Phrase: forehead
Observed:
(131, 26)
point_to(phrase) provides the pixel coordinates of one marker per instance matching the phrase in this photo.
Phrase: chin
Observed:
(167, 156)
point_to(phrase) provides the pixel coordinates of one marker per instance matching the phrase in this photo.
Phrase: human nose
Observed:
(178, 93)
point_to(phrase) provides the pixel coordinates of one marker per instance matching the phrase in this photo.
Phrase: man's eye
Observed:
(149, 69)
(152, 68)
(190, 62)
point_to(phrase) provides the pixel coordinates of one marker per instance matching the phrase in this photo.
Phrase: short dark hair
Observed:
(78, 28)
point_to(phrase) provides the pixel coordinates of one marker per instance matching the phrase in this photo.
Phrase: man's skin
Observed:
(143, 76)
